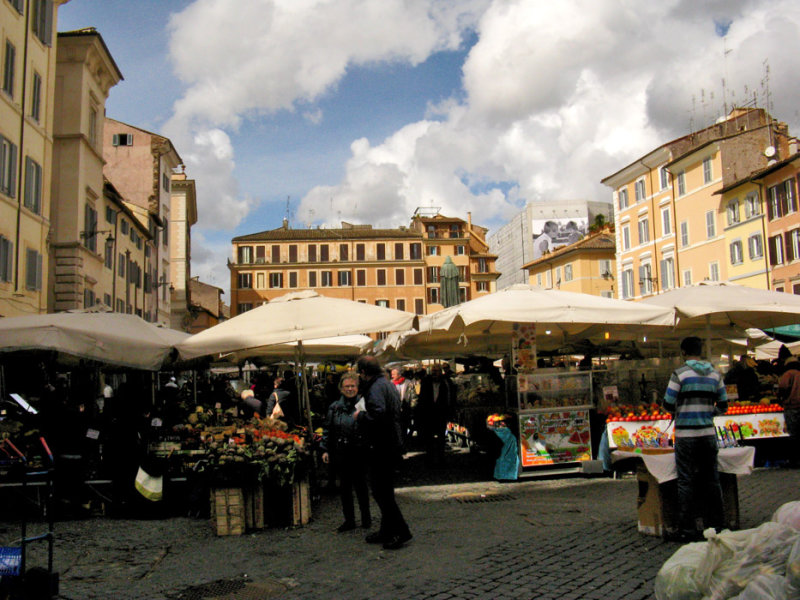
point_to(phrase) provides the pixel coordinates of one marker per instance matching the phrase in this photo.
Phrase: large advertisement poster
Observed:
(555, 437)
(550, 234)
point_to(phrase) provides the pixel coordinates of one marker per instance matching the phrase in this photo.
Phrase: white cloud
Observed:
(556, 95)
(562, 94)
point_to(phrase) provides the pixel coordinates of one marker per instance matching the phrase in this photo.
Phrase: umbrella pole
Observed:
(304, 387)
(708, 337)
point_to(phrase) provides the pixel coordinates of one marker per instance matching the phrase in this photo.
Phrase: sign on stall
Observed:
(555, 437)
(658, 433)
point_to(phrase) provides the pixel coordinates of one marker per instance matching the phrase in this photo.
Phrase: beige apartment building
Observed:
(207, 308)
(585, 267)
(465, 244)
(27, 47)
(670, 218)
(140, 164)
(183, 214)
(83, 237)
(377, 266)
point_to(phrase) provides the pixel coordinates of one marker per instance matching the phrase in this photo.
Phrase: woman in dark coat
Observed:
(344, 446)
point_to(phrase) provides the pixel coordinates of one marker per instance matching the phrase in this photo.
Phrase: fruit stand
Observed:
(554, 418)
(255, 470)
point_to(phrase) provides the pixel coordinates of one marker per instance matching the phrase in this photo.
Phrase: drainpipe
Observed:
(20, 155)
(762, 194)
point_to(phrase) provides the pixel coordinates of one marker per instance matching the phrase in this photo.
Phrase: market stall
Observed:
(519, 322)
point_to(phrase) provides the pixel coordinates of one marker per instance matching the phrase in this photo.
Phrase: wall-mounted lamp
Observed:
(86, 235)
(606, 275)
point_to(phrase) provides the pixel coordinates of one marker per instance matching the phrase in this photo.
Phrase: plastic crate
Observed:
(10, 560)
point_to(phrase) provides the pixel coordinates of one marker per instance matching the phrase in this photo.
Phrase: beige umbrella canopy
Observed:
(724, 305)
(723, 310)
(111, 338)
(484, 325)
(295, 317)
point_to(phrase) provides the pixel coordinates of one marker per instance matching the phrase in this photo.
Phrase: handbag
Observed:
(277, 411)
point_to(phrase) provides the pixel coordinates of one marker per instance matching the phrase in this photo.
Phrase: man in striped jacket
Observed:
(696, 392)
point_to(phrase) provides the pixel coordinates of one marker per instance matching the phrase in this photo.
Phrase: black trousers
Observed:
(352, 472)
(381, 476)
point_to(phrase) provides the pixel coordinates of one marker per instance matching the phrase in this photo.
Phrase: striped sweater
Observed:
(694, 391)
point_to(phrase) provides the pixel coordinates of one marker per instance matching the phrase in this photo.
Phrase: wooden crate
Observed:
(254, 507)
(228, 511)
(301, 502)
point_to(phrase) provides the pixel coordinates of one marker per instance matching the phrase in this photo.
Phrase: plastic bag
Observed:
(721, 547)
(764, 587)
(793, 571)
(788, 514)
(765, 553)
(675, 579)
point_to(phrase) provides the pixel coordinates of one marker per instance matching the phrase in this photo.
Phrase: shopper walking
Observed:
(437, 401)
(694, 394)
(380, 421)
(345, 449)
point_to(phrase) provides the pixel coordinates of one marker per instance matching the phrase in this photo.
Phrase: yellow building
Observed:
(465, 244)
(82, 236)
(27, 47)
(586, 267)
(741, 206)
(669, 220)
(377, 266)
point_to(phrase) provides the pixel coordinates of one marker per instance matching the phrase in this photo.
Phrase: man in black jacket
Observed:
(380, 421)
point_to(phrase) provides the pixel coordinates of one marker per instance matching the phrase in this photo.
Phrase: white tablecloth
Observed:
(737, 461)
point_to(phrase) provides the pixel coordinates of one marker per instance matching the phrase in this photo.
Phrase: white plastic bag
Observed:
(764, 587)
(675, 579)
(721, 547)
(793, 571)
(788, 514)
(765, 553)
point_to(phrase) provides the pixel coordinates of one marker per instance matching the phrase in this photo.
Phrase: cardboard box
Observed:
(658, 503)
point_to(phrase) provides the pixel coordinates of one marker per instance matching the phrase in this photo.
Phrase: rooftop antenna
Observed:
(725, 53)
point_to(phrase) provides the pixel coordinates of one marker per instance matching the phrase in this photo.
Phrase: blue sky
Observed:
(363, 110)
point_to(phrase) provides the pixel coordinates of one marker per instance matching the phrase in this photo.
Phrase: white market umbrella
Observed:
(484, 325)
(295, 317)
(112, 338)
(721, 309)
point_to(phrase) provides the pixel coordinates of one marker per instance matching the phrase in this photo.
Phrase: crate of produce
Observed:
(228, 511)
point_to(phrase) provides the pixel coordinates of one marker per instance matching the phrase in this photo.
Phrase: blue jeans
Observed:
(699, 491)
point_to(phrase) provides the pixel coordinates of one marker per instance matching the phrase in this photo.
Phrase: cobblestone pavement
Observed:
(535, 539)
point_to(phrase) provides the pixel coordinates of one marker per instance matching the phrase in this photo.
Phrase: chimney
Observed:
(285, 223)
(469, 219)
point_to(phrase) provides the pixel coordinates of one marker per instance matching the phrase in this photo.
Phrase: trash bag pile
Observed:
(754, 564)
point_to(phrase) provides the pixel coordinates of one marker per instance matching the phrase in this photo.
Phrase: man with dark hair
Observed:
(380, 422)
(694, 393)
(789, 398)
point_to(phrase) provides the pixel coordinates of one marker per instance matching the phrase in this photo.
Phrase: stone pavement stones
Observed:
(556, 538)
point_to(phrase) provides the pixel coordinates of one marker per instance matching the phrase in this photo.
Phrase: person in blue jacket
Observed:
(695, 393)
(380, 420)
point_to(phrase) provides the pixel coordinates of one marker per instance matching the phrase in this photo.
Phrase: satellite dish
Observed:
(769, 151)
